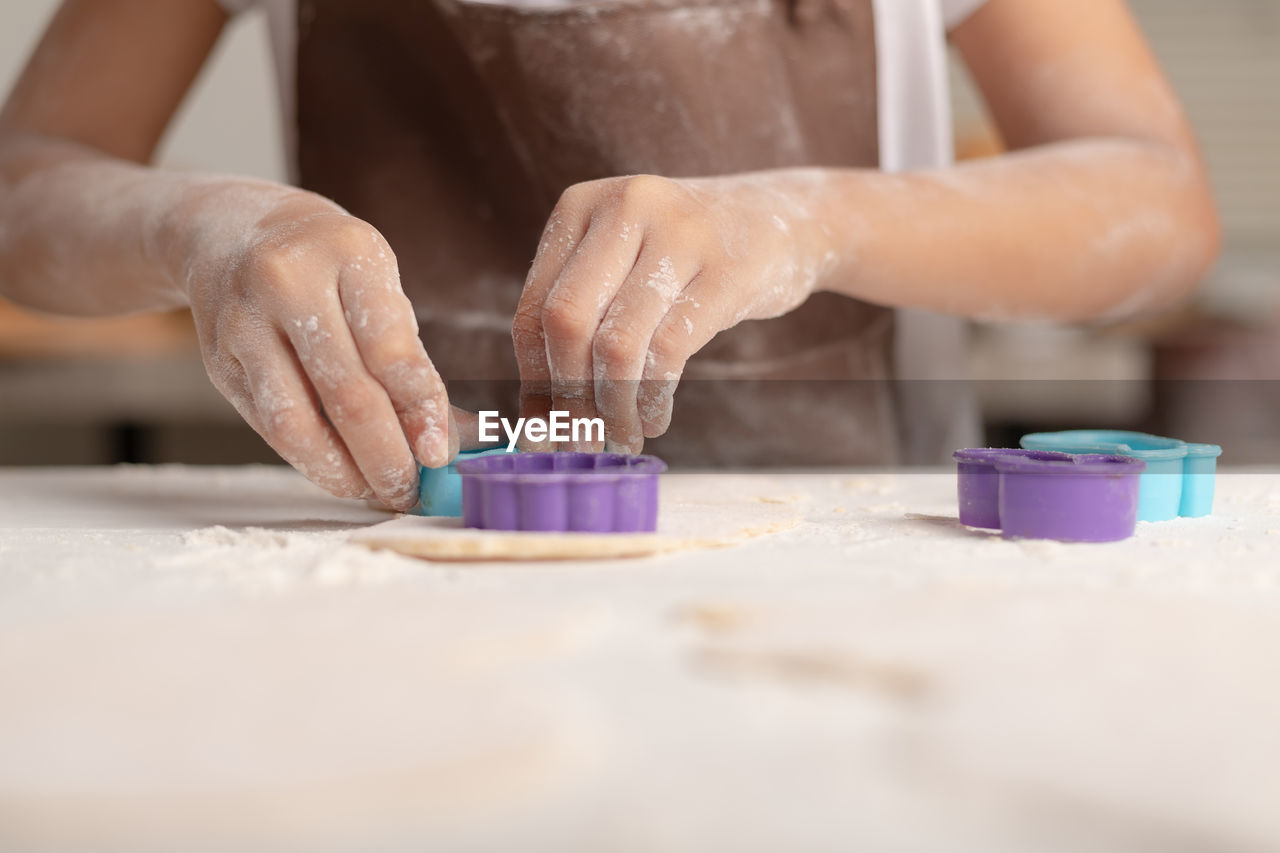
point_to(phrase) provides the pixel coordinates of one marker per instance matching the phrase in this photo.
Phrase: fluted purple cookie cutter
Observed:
(1031, 494)
(565, 491)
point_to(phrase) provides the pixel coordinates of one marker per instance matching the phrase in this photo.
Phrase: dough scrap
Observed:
(695, 514)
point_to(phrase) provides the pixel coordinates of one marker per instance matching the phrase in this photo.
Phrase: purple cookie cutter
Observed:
(547, 492)
(979, 484)
(1048, 495)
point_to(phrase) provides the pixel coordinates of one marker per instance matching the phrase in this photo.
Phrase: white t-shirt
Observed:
(914, 101)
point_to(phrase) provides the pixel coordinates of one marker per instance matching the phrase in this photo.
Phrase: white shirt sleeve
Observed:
(954, 12)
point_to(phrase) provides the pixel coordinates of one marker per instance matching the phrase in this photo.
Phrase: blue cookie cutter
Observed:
(440, 489)
(1179, 480)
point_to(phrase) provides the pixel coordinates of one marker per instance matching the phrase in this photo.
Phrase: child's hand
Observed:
(305, 329)
(634, 275)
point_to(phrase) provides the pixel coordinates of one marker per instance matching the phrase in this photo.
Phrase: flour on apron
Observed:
(454, 127)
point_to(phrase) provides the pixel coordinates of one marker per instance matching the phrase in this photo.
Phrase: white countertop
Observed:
(193, 659)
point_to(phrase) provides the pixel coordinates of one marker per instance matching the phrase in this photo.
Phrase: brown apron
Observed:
(453, 127)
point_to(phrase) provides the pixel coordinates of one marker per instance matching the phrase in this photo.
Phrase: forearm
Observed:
(1076, 231)
(85, 233)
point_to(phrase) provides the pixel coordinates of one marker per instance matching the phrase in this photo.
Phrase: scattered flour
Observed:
(268, 561)
(877, 484)
(794, 498)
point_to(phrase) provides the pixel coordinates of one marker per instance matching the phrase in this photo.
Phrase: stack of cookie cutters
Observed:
(1032, 494)
(565, 491)
(1179, 478)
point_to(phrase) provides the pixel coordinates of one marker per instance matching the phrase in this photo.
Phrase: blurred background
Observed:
(133, 389)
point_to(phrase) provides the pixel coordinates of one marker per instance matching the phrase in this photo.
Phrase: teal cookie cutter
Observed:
(440, 489)
(1179, 479)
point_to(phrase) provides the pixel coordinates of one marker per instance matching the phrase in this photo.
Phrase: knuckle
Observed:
(559, 237)
(278, 265)
(276, 279)
(353, 405)
(390, 355)
(573, 196)
(576, 198)
(224, 372)
(670, 344)
(351, 233)
(561, 318)
(614, 347)
(644, 191)
(286, 430)
(526, 327)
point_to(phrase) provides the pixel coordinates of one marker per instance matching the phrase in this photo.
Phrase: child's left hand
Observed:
(636, 274)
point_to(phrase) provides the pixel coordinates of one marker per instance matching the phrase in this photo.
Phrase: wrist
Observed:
(831, 228)
(811, 210)
(211, 223)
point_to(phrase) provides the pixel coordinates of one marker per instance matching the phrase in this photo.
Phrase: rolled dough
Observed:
(695, 512)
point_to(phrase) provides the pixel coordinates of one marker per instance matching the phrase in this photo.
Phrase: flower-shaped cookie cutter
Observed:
(565, 491)
(1179, 479)
(1030, 494)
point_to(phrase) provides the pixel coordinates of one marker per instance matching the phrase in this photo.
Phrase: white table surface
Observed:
(193, 659)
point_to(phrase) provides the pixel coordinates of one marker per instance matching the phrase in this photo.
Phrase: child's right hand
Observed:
(305, 329)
